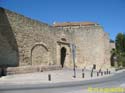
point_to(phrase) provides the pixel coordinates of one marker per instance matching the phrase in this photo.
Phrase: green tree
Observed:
(124, 43)
(120, 42)
(120, 49)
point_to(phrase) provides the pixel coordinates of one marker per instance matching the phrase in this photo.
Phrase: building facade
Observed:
(28, 45)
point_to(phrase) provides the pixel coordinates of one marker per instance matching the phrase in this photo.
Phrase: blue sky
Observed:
(108, 13)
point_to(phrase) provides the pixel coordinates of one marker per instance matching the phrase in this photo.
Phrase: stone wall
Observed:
(32, 44)
(89, 46)
(37, 42)
(107, 53)
(9, 55)
(92, 44)
(30, 36)
(31, 69)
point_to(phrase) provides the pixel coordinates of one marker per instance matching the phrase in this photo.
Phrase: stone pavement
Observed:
(57, 76)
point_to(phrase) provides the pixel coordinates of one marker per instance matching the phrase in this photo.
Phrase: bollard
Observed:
(82, 75)
(82, 70)
(49, 77)
(97, 74)
(74, 76)
(107, 71)
(100, 70)
(101, 73)
(91, 74)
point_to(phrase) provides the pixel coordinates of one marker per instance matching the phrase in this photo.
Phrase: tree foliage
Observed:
(120, 49)
(120, 42)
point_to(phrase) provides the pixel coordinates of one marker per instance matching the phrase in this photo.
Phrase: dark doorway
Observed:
(112, 60)
(63, 56)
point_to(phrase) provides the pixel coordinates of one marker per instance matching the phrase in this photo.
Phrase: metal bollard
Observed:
(109, 72)
(82, 70)
(97, 74)
(91, 74)
(83, 75)
(49, 77)
(100, 70)
(105, 72)
(101, 73)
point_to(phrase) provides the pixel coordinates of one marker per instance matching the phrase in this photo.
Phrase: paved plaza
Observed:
(56, 76)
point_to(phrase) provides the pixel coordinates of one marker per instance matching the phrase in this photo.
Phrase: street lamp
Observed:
(73, 47)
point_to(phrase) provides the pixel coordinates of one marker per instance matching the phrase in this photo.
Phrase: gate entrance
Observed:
(63, 56)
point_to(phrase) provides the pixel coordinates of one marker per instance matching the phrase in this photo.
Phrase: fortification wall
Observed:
(36, 41)
(8, 45)
(107, 51)
(32, 43)
(89, 46)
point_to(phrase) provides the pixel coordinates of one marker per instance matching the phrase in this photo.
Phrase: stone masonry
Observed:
(28, 45)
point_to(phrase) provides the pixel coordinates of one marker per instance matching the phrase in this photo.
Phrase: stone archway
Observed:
(39, 55)
(63, 56)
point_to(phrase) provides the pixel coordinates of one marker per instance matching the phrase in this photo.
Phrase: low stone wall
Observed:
(31, 69)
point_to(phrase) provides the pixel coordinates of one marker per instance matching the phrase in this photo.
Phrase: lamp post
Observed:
(74, 55)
